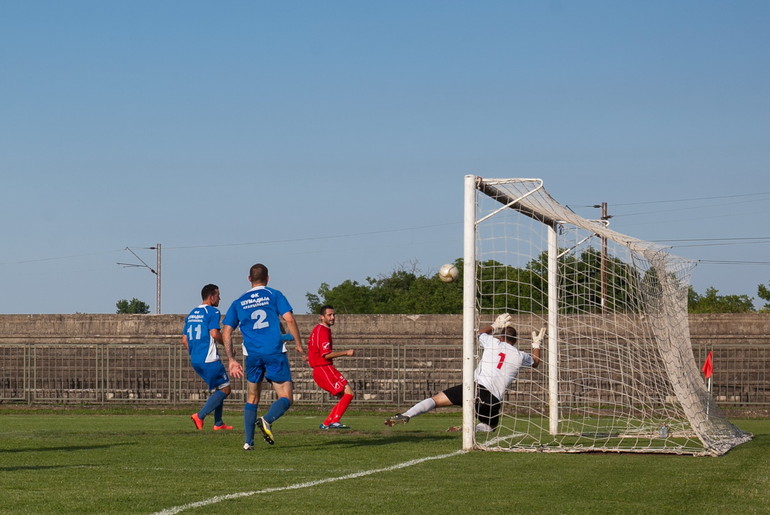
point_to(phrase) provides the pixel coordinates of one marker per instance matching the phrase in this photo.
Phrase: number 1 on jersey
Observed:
(197, 329)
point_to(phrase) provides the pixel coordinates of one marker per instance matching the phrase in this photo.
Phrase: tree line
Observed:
(406, 291)
(522, 289)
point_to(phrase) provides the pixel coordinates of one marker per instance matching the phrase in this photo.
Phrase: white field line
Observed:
(308, 484)
(498, 439)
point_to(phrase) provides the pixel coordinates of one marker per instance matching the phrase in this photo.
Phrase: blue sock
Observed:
(277, 409)
(249, 420)
(218, 412)
(211, 404)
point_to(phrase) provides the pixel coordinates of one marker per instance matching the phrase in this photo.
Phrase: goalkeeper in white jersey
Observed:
(498, 368)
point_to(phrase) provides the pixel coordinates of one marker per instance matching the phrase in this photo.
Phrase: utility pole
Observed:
(156, 248)
(155, 271)
(603, 262)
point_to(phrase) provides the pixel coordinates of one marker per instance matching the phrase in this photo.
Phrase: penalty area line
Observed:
(297, 486)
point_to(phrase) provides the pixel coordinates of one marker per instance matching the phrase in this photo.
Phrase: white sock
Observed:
(421, 407)
(484, 428)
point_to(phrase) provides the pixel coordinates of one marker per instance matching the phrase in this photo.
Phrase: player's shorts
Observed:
(455, 394)
(487, 405)
(329, 378)
(273, 367)
(213, 373)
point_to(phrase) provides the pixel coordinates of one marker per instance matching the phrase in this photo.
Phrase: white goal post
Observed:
(618, 371)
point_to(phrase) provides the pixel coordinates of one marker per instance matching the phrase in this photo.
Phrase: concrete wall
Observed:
(366, 329)
(402, 358)
(745, 328)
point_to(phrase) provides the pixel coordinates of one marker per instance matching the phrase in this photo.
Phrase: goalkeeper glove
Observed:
(501, 322)
(537, 338)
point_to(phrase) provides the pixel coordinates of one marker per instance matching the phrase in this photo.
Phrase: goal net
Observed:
(618, 373)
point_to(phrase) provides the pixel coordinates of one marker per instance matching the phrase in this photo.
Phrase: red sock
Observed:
(339, 409)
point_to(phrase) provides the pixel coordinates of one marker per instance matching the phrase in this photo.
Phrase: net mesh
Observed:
(624, 374)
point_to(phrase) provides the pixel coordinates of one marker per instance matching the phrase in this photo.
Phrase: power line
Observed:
(728, 262)
(266, 242)
(315, 238)
(696, 242)
(716, 242)
(763, 238)
(58, 258)
(695, 199)
(691, 208)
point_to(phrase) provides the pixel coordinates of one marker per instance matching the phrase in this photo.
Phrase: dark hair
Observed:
(323, 309)
(509, 333)
(258, 273)
(207, 290)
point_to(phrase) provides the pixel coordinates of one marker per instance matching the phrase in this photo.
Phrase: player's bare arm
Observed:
(235, 368)
(339, 354)
(535, 358)
(291, 325)
(537, 339)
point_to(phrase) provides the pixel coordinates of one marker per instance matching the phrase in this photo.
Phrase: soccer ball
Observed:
(448, 273)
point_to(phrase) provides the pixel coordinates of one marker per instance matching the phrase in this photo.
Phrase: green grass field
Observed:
(149, 462)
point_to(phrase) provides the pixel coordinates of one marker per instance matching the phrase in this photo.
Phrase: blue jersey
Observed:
(197, 327)
(257, 313)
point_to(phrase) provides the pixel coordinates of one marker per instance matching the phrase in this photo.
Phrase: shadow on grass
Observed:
(64, 448)
(343, 439)
(41, 467)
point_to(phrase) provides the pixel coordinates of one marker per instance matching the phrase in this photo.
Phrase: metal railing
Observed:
(380, 375)
(385, 375)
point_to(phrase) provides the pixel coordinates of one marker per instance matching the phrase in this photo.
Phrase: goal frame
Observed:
(726, 436)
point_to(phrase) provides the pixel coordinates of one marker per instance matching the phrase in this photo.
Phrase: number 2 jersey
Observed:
(499, 364)
(197, 327)
(257, 313)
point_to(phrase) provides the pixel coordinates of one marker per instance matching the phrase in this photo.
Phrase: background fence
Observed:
(385, 375)
(127, 359)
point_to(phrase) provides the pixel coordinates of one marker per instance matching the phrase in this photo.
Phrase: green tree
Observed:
(711, 302)
(347, 297)
(132, 307)
(515, 289)
(519, 290)
(764, 294)
(403, 292)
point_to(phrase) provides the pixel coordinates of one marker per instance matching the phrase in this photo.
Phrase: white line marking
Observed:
(238, 495)
(498, 439)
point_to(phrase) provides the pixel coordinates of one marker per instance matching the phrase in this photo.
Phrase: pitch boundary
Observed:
(307, 484)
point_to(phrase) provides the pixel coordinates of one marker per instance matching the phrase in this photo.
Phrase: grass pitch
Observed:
(150, 462)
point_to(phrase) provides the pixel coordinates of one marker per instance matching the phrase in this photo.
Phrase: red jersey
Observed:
(319, 344)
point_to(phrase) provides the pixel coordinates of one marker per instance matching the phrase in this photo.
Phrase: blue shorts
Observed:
(273, 367)
(214, 374)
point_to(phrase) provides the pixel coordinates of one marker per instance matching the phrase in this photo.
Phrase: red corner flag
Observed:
(708, 367)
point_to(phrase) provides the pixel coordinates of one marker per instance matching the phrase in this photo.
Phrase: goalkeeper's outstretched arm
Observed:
(537, 339)
(487, 330)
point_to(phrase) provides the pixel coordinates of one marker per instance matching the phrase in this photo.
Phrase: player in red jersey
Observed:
(320, 356)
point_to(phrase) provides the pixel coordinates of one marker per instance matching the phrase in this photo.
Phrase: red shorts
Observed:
(329, 378)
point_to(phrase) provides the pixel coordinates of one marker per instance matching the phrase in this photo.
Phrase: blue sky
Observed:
(329, 140)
